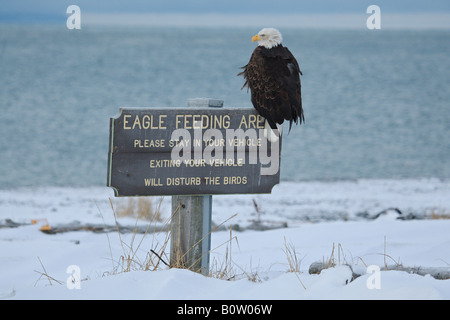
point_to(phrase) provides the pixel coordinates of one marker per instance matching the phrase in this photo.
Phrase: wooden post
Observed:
(190, 233)
(191, 222)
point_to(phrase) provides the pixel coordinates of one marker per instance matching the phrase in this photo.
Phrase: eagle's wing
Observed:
(274, 82)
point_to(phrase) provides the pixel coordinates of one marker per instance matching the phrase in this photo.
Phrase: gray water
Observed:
(377, 103)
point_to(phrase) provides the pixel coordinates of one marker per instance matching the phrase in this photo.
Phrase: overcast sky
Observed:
(55, 10)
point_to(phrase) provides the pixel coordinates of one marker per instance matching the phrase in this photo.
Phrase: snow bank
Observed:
(29, 257)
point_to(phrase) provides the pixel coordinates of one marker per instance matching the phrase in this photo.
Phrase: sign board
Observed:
(191, 151)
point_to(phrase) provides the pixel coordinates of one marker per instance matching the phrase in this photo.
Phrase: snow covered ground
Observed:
(325, 221)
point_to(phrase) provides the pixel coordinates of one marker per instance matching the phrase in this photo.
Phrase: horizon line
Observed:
(316, 20)
(416, 21)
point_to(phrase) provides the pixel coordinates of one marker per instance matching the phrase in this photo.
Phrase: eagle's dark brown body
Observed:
(273, 77)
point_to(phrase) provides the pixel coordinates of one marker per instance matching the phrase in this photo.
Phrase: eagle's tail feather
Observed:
(272, 135)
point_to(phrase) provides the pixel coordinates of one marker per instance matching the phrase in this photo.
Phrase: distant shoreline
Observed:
(320, 21)
(414, 21)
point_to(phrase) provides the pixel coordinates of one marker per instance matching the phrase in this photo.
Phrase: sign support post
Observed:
(191, 221)
(191, 232)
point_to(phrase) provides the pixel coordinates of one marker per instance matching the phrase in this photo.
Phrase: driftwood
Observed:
(256, 225)
(440, 273)
(8, 223)
(98, 228)
(77, 226)
(102, 228)
(401, 215)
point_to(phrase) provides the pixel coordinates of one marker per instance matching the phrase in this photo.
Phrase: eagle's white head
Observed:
(268, 38)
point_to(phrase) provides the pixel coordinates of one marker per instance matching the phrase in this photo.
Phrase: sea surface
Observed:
(376, 102)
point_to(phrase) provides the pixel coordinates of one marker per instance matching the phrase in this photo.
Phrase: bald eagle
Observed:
(273, 77)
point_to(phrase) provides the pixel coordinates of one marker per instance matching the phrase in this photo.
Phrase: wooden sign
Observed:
(191, 151)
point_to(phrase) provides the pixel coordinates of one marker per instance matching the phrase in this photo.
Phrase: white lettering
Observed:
(374, 21)
(374, 280)
(74, 280)
(74, 20)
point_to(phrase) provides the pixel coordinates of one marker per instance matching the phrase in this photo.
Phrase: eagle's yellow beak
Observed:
(256, 38)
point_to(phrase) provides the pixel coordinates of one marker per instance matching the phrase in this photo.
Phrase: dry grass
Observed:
(439, 214)
(335, 257)
(293, 261)
(129, 260)
(156, 258)
(138, 207)
(224, 269)
(179, 261)
(134, 257)
(45, 274)
(291, 256)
